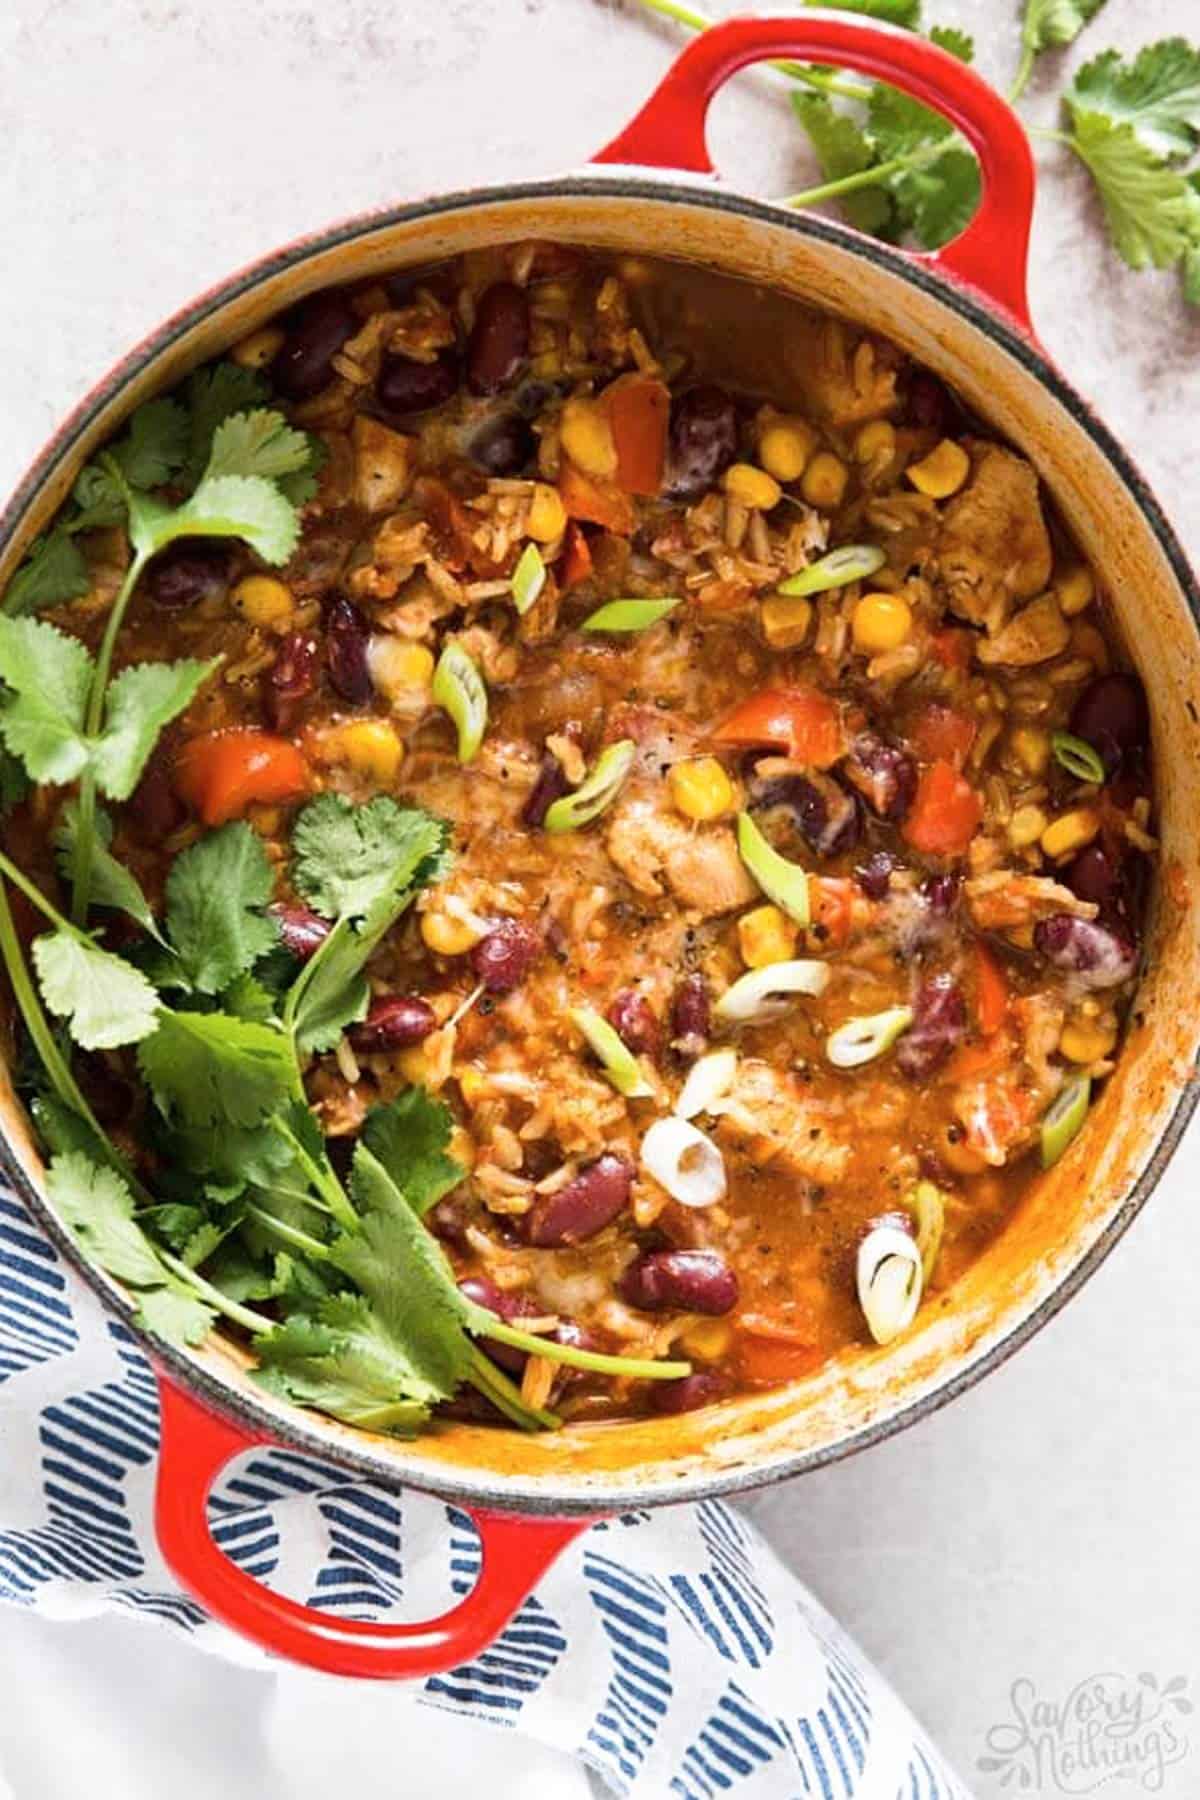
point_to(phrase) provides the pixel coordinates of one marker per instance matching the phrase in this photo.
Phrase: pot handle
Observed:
(990, 255)
(196, 1445)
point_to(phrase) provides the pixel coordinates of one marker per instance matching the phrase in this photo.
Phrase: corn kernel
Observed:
(414, 1066)
(1076, 590)
(371, 749)
(1087, 1040)
(462, 1147)
(1087, 641)
(707, 1340)
(785, 621)
(881, 622)
(264, 601)
(1071, 832)
(875, 441)
(1031, 747)
(398, 669)
(784, 448)
(825, 481)
(700, 789)
(766, 935)
(1026, 826)
(587, 438)
(260, 348)
(547, 517)
(942, 472)
(446, 935)
(751, 487)
(472, 1086)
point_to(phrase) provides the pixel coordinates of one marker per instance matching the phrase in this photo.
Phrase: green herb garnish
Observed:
(1077, 757)
(596, 793)
(629, 615)
(458, 688)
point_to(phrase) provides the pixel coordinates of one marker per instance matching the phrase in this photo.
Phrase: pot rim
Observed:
(303, 1432)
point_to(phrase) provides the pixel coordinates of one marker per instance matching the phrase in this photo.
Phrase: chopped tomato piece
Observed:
(951, 648)
(452, 527)
(991, 992)
(576, 564)
(221, 774)
(801, 721)
(602, 502)
(637, 407)
(765, 1360)
(939, 734)
(971, 1062)
(831, 904)
(945, 814)
(996, 1114)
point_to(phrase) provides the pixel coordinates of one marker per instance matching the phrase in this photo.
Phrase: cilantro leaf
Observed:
(140, 702)
(241, 506)
(938, 201)
(105, 1000)
(258, 443)
(216, 891)
(345, 1363)
(213, 1070)
(893, 12)
(843, 148)
(112, 884)
(1157, 95)
(247, 998)
(958, 43)
(154, 444)
(46, 676)
(53, 570)
(176, 1314)
(347, 857)
(899, 125)
(1052, 24)
(98, 495)
(1152, 212)
(14, 782)
(331, 991)
(1191, 261)
(409, 1137)
(211, 396)
(98, 1207)
(302, 485)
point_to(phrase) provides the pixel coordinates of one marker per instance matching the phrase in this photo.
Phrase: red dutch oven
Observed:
(963, 313)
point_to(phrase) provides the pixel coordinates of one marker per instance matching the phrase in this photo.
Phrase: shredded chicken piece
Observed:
(772, 1118)
(1040, 1017)
(1006, 899)
(1035, 634)
(993, 547)
(851, 380)
(701, 868)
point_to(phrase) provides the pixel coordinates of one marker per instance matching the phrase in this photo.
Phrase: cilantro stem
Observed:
(34, 894)
(813, 78)
(322, 1177)
(288, 1234)
(55, 1064)
(232, 1309)
(1024, 71)
(634, 1368)
(505, 1396)
(864, 178)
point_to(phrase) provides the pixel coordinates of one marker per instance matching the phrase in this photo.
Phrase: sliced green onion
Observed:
(629, 615)
(1077, 757)
(458, 688)
(849, 562)
(620, 1064)
(861, 1040)
(928, 1207)
(889, 1281)
(766, 993)
(784, 882)
(595, 794)
(528, 578)
(1063, 1121)
(685, 1162)
(709, 1080)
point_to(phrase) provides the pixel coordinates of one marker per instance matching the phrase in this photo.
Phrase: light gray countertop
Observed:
(1044, 1525)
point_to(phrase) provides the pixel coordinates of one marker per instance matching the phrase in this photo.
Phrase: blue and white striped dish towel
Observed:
(671, 1652)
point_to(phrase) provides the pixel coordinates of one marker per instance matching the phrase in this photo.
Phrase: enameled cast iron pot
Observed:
(963, 313)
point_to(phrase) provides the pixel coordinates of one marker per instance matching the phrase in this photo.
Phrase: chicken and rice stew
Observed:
(577, 835)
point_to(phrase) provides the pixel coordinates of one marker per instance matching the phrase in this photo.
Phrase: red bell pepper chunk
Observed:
(637, 407)
(940, 734)
(601, 502)
(945, 814)
(576, 563)
(991, 992)
(800, 721)
(222, 774)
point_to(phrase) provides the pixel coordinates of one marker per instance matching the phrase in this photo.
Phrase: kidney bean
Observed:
(874, 876)
(506, 445)
(940, 893)
(512, 1308)
(551, 785)
(1111, 714)
(691, 1015)
(290, 679)
(589, 1202)
(498, 347)
(688, 1394)
(301, 931)
(702, 438)
(633, 1019)
(154, 805)
(1097, 954)
(189, 571)
(450, 1221)
(502, 959)
(316, 332)
(346, 639)
(404, 386)
(814, 805)
(682, 1281)
(939, 1022)
(930, 404)
(393, 1022)
(885, 776)
(1094, 876)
